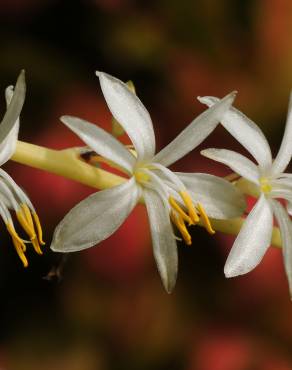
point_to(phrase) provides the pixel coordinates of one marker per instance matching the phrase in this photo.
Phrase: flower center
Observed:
(141, 176)
(265, 185)
(192, 216)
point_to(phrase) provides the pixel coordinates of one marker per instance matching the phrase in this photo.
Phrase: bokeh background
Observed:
(109, 309)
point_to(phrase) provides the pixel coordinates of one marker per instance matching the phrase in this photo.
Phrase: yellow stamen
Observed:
(19, 250)
(190, 206)
(25, 223)
(179, 222)
(179, 210)
(18, 244)
(265, 185)
(25, 219)
(27, 214)
(38, 227)
(205, 219)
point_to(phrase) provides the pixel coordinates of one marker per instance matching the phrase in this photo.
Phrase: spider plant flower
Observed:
(11, 195)
(271, 181)
(181, 199)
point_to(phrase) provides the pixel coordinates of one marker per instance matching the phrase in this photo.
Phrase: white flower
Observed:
(255, 235)
(11, 196)
(169, 196)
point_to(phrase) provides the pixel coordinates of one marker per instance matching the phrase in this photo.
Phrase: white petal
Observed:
(164, 244)
(129, 111)
(282, 181)
(219, 198)
(237, 162)
(286, 236)
(281, 188)
(246, 132)
(95, 218)
(8, 145)
(194, 133)
(285, 152)
(21, 196)
(14, 108)
(252, 241)
(101, 142)
(289, 207)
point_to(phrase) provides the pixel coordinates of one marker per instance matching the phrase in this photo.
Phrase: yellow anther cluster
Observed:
(265, 185)
(192, 216)
(31, 225)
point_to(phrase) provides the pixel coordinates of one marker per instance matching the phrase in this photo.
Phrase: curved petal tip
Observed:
(204, 99)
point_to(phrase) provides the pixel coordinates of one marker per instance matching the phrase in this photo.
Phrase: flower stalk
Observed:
(67, 163)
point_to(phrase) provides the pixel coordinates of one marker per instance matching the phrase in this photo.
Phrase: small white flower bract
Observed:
(11, 195)
(169, 197)
(255, 235)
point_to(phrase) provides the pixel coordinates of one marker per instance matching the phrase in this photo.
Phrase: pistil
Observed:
(265, 185)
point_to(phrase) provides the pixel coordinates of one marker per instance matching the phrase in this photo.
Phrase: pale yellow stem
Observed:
(247, 187)
(67, 163)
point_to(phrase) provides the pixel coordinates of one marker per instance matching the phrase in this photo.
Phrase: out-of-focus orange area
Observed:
(105, 308)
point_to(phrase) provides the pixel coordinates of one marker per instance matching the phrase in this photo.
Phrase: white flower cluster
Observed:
(12, 196)
(173, 200)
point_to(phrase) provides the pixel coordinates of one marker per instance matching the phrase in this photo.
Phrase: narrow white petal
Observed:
(286, 236)
(285, 152)
(164, 244)
(95, 218)
(7, 194)
(101, 142)
(237, 162)
(281, 188)
(14, 108)
(8, 145)
(220, 199)
(21, 196)
(129, 111)
(282, 181)
(246, 132)
(195, 132)
(252, 241)
(289, 207)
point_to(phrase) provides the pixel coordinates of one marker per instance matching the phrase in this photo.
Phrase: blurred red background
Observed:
(110, 311)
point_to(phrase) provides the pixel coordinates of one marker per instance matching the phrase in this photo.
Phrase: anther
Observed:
(18, 244)
(38, 227)
(190, 206)
(26, 221)
(180, 211)
(179, 222)
(205, 219)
